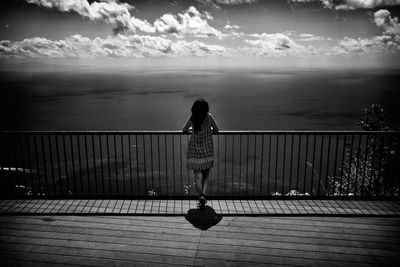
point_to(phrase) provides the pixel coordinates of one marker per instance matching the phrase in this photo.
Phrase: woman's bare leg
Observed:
(198, 175)
(206, 174)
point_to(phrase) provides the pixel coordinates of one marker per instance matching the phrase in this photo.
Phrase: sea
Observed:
(160, 98)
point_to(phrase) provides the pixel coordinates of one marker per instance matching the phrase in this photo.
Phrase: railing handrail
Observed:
(247, 163)
(176, 132)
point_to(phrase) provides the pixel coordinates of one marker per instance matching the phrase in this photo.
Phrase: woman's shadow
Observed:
(203, 219)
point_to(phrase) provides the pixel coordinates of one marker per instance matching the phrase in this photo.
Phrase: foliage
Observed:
(365, 171)
(374, 119)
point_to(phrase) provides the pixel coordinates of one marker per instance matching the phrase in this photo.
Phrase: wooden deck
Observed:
(30, 234)
(223, 207)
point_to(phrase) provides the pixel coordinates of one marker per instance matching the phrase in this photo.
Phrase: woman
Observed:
(200, 155)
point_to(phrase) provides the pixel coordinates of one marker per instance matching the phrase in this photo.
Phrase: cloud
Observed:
(231, 27)
(235, 2)
(190, 22)
(217, 3)
(383, 19)
(307, 37)
(232, 31)
(356, 4)
(276, 44)
(363, 46)
(352, 4)
(388, 42)
(78, 46)
(137, 46)
(112, 12)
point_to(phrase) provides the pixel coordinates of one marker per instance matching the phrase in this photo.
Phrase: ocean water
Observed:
(160, 98)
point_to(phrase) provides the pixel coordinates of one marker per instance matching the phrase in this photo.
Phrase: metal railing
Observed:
(248, 164)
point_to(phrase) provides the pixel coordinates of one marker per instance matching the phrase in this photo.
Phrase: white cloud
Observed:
(352, 4)
(383, 19)
(112, 12)
(191, 22)
(307, 37)
(234, 2)
(388, 42)
(232, 31)
(356, 4)
(78, 46)
(217, 3)
(276, 44)
(231, 27)
(377, 44)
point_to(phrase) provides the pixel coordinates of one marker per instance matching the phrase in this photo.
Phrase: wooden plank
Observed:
(107, 238)
(300, 247)
(320, 240)
(346, 222)
(155, 228)
(30, 263)
(101, 232)
(243, 259)
(256, 252)
(231, 263)
(65, 241)
(76, 260)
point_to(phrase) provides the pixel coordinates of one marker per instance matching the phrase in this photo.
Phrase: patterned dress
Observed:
(200, 153)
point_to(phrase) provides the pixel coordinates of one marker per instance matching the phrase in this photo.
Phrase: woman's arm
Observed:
(213, 124)
(187, 126)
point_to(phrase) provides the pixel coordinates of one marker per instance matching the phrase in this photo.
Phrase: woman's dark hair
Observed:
(199, 113)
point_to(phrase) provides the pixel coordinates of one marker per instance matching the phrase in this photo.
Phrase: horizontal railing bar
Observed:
(181, 133)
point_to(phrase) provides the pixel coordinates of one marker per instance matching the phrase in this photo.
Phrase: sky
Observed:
(277, 32)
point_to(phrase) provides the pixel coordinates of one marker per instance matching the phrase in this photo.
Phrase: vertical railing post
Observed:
(320, 164)
(262, 164)
(51, 164)
(116, 163)
(94, 166)
(233, 158)
(298, 165)
(276, 163)
(66, 164)
(28, 146)
(342, 169)
(123, 163)
(357, 164)
(283, 164)
(240, 164)
(58, 164)
(327, 166)
(291, 163)
(80, 165)
(254, 166)
(44, 165)
(305, 168)
(73, 163)
(350, 165)
(130, 162)
(313, 166)
(87, 165)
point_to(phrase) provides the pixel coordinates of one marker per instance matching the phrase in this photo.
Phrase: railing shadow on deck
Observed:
(152, 164)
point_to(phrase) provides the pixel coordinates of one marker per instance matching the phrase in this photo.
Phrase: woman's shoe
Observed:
(202, 202)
